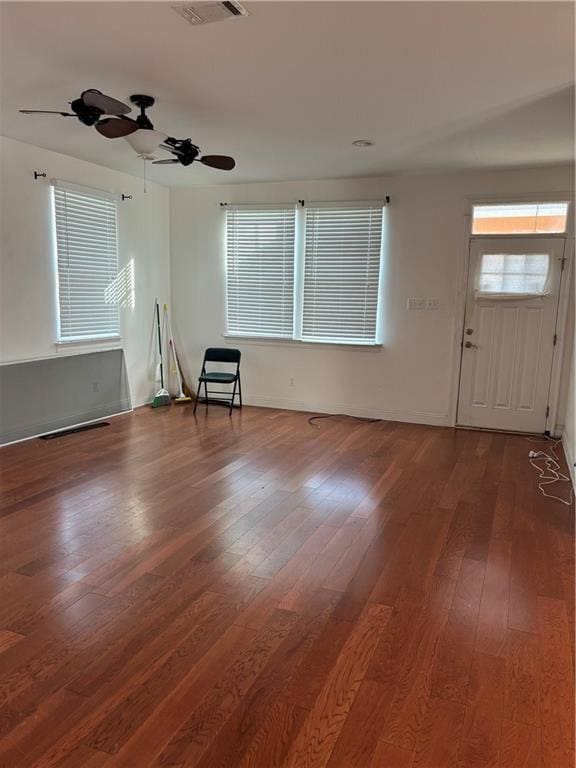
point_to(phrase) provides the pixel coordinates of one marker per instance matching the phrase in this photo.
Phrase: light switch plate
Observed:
(416, 303)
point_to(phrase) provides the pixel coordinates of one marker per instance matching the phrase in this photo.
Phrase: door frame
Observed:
(560, 350)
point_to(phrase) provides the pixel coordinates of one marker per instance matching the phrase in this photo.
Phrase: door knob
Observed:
(469, 345)
(469, 331)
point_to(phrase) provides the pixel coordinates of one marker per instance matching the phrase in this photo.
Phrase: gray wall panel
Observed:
(44, 395)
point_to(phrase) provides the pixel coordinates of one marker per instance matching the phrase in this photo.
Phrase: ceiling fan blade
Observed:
(116, 127)
(45, 112)
(108, 105)
(223, 162)
(164, 162)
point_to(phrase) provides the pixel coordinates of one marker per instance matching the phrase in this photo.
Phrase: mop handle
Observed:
(159, 343)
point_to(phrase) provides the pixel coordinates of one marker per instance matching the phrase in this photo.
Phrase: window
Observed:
(260, 271)
(513, 273)
(520, 219)
(341, 273)
(87, 256)
(308, 274)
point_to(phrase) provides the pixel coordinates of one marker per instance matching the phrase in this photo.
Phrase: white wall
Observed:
(569, 434)
(409, 378)
(28, 316)
(412, 377)
(568, 392)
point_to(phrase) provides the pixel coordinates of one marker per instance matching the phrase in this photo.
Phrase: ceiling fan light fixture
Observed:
(145, 141)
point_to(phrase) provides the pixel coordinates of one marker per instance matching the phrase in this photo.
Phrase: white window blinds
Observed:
(260, 270)
(87, 252)
(341, 272)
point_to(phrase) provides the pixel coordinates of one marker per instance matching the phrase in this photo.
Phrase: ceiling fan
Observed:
(109, 117)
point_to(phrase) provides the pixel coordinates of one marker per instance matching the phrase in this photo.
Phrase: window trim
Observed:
(112, 338)
(279, 341)
(299, 269)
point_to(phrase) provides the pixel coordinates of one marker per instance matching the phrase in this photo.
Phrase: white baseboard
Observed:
(570, 458)
(412, 417)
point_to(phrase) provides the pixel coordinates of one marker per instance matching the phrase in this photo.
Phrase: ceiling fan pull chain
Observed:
(144, 161)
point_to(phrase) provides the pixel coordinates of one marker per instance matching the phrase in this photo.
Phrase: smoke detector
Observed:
(207, 12)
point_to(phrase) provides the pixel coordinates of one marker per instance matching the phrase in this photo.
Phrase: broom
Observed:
(162, 397)
(181, 397)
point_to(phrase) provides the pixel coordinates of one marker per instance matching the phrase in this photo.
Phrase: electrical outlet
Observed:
(433, 303)
(416, 303)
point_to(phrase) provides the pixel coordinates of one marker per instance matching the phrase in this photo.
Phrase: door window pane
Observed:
(513, 273)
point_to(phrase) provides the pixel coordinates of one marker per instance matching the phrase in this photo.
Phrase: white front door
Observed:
(508, 340)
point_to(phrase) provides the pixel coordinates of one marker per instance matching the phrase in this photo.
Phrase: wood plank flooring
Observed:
(253, 592)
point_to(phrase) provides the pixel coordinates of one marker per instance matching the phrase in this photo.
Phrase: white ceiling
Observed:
(437, 85)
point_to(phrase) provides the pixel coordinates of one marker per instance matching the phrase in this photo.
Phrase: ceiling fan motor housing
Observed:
(87, 115)
(189, 154)
(185, 151)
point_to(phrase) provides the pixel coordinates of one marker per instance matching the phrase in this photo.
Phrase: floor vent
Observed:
(206, 13)
(74, 430)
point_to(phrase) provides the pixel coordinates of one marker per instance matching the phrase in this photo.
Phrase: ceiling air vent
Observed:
(205, 13)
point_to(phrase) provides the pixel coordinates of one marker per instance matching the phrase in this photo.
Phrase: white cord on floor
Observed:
(550, 473)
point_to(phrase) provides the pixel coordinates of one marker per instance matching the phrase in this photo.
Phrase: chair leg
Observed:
(197, 395)
(233, 396)
(206, 393)
(240, 390)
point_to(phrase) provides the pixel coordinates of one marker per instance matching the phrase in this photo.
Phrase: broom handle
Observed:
(173, 350)
(159, 343)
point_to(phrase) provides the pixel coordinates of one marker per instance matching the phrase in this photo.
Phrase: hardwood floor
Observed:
(252, 592)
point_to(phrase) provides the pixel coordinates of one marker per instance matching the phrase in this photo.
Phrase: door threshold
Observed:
(504, 431)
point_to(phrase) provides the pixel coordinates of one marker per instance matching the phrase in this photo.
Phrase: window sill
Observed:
(517, 235)
(277, 341)
(90, 345)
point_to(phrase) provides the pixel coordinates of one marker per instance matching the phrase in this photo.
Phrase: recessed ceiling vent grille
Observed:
(206, 13)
